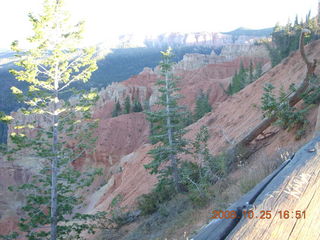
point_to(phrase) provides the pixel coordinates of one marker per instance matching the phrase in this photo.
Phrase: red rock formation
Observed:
(117, 137)
(10, 175)
(131, 181)
(230, 119)
(121, 147)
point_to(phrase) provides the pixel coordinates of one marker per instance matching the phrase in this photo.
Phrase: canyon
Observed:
(122, 146)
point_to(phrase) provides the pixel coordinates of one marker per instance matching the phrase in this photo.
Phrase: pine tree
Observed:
(244, 77)
(258, 71)
(51, 64)
(285, 39)
(250, 74)
(167, 127)
(127, 105)
(239, 80)
(137, 107)
(202, 105)
(117, 109)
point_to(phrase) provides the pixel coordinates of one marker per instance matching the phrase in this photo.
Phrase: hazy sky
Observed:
(106, 19)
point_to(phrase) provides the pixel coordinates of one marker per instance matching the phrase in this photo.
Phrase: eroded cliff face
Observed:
(199, 38)
(122, 146)
(229, 53)
(10, 174)
(232, 51)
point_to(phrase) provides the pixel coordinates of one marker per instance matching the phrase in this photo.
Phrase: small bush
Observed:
(218, 164)
(116, 200)
(288, 117)
(197, 199)
(119, 217)
(150, 203)
(313, 96)
(197, 181)
(192, 171)
(164, 211)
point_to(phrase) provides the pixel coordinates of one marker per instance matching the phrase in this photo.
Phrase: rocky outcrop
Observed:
(233, 51)
(239, 36)
(10, 175)
(229, 53)
(196, 60)
(129, 181)
(117, 137)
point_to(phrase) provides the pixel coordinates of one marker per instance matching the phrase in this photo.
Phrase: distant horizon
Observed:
(107, 20)
(4, 50)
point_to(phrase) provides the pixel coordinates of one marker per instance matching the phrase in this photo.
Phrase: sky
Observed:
(107, 19)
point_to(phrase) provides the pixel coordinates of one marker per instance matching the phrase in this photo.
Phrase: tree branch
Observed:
(293, 99)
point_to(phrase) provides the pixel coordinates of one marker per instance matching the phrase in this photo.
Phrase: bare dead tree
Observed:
(293, 99)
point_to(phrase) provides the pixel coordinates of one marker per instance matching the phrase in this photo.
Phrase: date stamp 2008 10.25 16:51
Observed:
(263, 214)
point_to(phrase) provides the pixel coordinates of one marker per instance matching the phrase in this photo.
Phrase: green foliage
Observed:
(288, 117)
(257, 72)
(117, 109)
(119, 215)
(244, 77)
(148, 203)
(285, 39)
(167, 126)
(36, 211)
(218, 165)
(127, 105)
(116, 200)
(313, 94)
(151, 202)
(5, 118)
(239, 81)
(202, 105)
(188, 118)
(197, 178)
(11, 236)
(49, 67)
(196, 182)
(137, 107)
(214, 167)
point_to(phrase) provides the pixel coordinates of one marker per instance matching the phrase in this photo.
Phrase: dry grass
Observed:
(228, 191)
(183, 224)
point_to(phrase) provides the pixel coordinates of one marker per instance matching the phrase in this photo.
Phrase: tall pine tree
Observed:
(51, 64)
(167, 127)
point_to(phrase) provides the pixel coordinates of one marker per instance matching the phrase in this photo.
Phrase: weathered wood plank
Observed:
(219, 229)
(296, 188)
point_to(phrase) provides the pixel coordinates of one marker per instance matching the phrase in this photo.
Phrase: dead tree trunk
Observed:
(294, 98)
